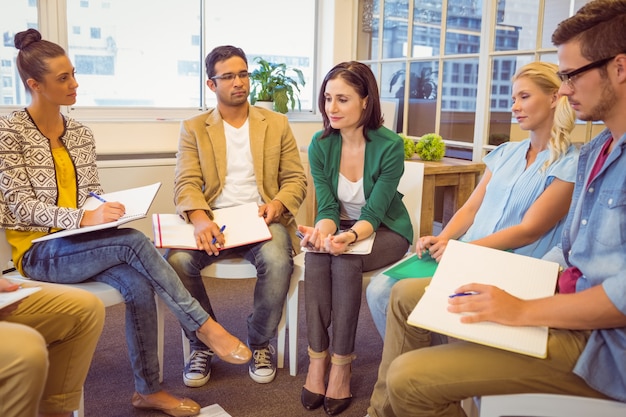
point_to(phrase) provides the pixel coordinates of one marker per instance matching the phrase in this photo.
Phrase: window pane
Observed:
(463, 27)
(422, 98)
(20, 16)
(517, 25)
(159, 63)
(426, 28)
(395, 28)
(458, 102)
(501, 127)
(119, 63)
(275, 30)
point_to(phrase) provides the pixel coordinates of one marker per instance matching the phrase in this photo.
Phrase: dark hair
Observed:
(31, 60)
(222, 53)
(598, 26)
(361, 78)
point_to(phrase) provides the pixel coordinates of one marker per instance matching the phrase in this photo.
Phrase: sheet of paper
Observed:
(213, 411)
(464, 263)
(8, 298)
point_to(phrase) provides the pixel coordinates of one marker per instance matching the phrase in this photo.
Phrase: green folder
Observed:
(413, 267)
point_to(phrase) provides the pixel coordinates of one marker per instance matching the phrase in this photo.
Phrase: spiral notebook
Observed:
(464, 263)
(137, 202)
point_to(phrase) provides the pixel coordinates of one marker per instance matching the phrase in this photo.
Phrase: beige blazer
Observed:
(201, 163)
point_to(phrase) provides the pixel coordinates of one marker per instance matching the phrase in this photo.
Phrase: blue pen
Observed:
(96, 196)
(215, 238)
(461, 294)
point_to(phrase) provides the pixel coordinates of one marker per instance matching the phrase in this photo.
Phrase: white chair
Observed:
(548, 405)
(109, 296)
(411, 187)
(240, 268)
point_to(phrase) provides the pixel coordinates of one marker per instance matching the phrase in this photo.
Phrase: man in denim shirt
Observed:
(587, 342)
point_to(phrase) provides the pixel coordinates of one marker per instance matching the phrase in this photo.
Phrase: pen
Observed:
(96, 196)
(301, 236)
(461, 294)
(221, 231)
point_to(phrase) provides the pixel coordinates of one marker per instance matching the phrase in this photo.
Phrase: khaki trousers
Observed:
(45, 351)
(419, 376)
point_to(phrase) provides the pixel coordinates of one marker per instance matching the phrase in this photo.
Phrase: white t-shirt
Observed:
(240, 186)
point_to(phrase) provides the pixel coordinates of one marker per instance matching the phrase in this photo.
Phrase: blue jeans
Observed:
(333, 288)
(129, 262)
(377, 294)
(274, 264)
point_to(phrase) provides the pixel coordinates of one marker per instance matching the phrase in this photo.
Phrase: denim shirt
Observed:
(594, 240)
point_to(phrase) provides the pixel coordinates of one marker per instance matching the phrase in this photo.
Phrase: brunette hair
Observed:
(361, 78)
(543, 74)
(598, 26)
(222, 53)
(34, 51)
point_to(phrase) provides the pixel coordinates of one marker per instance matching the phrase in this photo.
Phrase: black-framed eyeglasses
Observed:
(568, 77)
(229, 76)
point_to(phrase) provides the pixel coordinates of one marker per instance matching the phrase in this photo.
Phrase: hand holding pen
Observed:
(108, 211)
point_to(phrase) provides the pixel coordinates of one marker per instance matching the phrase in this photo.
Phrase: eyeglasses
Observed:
(568, 77)
(229, 76)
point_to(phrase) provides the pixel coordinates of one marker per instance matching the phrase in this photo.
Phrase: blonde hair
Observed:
(543, 74)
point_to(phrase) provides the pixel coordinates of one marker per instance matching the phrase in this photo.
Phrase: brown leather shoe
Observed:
(238, 356)
(186, 408)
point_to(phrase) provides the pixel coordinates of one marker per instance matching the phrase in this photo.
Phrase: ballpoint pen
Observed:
(96, 196)
(461, 294)
(215, 237)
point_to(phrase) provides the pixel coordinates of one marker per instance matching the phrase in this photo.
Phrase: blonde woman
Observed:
(523, 197)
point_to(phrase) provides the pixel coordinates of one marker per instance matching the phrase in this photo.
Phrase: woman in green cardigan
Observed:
(356, 165)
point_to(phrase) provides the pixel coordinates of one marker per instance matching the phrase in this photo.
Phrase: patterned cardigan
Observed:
(28, 183)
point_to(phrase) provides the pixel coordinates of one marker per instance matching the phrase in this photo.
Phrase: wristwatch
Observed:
(356, 235)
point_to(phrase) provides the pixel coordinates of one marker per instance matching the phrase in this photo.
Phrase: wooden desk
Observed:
(458, 179)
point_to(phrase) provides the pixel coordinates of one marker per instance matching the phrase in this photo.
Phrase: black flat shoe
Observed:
(310, 400)
(334, 406)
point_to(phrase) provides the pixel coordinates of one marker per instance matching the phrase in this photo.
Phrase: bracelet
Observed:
(356, 235)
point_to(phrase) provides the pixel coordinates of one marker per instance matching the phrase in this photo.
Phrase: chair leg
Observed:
(292, 321)
(280, 342)
(186, 347)
(81, 408)
(160, 317)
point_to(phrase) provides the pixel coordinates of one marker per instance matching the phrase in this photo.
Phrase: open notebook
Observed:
(464, 263)
(136, 200)
(243, 227)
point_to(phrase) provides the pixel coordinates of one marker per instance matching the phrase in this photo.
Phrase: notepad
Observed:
(412, 267)
(8, 298)
(362, 247)
(137, 202)
(519, 275)
(243, 227)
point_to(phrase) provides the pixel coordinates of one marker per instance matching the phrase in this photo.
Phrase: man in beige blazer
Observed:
(228, 156)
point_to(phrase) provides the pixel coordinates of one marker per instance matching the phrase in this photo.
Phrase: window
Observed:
(141, 54)
(464, 89)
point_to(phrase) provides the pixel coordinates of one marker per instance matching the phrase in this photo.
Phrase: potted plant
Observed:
(421, 86)
(430, 147)
(270, 82)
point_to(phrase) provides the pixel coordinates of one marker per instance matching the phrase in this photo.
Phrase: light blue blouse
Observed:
(513, 189)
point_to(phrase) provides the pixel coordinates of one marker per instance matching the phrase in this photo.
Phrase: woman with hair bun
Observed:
(47, 171)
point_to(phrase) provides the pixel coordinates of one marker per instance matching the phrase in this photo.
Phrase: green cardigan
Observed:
(384, 165)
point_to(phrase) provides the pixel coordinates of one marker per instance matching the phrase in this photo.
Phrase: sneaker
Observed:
(262, 369)
(198, 370)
